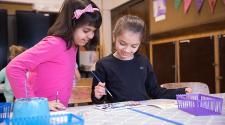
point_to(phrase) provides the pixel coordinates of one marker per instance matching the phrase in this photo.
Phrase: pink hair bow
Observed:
(77, 13)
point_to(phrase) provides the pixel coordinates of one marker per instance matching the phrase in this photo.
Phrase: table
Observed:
(170, 116)
(82, 92)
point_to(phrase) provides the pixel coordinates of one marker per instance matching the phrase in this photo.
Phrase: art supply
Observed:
(118, 105)
(57, 97)
(25, 85)
(100, 81)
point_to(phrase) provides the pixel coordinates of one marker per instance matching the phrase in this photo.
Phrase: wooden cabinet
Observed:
(197, 61)
(222, 62)
(139, 8)
(164, 62)
(134, 7)
(191, 58)
(36, 24)
(3, 38)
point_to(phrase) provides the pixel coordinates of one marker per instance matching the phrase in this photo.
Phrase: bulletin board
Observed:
(176, 19)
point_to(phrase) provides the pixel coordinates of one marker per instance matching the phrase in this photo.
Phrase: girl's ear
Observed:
(113, 39)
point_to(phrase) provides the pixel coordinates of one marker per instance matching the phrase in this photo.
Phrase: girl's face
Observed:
(83, 35)
(126, 44)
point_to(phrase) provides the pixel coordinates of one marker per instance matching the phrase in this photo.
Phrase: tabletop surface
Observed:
(154, 112)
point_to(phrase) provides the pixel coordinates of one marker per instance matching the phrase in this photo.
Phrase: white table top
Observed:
(169, 115)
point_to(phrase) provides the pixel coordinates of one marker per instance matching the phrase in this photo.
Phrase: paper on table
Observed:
(162, 103)
(118, 106)
(157, 103)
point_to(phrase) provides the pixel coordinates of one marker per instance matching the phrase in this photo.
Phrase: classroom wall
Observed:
(12, 7)
(176, 19)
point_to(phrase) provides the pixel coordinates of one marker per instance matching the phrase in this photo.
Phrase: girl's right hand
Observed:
(56, 106)
(100, 90)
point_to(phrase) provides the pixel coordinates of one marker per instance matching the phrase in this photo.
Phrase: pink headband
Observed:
(77, 13)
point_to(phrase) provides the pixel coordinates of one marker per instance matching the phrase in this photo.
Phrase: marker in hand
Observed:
(100, 81)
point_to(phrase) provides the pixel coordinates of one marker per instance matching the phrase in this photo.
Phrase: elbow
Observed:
(8, 69)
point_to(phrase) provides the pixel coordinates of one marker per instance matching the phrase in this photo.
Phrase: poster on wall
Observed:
(159, 10)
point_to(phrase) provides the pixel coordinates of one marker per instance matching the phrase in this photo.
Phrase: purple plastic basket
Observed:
(199, 104)
(5, 109)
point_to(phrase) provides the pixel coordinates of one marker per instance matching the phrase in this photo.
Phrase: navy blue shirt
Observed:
(130, 80)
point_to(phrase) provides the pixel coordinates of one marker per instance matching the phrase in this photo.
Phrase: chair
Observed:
(197, 87)
(81, 93)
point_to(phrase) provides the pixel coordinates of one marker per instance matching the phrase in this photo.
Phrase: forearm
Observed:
(168, 93)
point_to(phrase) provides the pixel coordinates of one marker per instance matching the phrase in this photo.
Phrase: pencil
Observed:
(100, 81)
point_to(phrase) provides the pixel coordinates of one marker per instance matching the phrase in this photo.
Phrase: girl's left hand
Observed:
(188, 90)
(56, 106)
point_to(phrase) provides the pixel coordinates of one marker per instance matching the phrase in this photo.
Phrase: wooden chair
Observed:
(197, 87)
(81, 93)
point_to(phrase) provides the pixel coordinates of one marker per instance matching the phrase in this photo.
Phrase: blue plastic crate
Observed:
(61, 119)
(5, 109)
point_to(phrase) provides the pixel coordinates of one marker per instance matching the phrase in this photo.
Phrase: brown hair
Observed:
(65, 25)
(15, 50)
(130, 23)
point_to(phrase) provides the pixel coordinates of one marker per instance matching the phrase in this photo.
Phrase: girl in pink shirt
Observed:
(51, 62)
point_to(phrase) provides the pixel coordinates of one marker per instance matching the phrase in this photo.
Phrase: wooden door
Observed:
(164, 62)
(139, 8)
(222, 62)
(31, 27)
(196, 61)
(3, 38)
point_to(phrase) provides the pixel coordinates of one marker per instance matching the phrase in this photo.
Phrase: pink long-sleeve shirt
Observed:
(50, 66)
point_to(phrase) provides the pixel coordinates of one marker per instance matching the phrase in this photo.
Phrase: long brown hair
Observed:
(65, 25)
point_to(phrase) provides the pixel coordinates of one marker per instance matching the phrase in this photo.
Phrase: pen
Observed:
(100, 81)
(56, 98)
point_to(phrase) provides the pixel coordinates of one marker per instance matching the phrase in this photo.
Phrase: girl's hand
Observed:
(188, 90)
(100, 90)
(55, 106)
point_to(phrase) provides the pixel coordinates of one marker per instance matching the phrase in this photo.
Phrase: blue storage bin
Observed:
(5, 109)
(61, 119)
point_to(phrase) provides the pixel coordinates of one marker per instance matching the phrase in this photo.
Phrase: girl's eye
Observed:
(86, 31)
(123, 44)
(134, 47)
